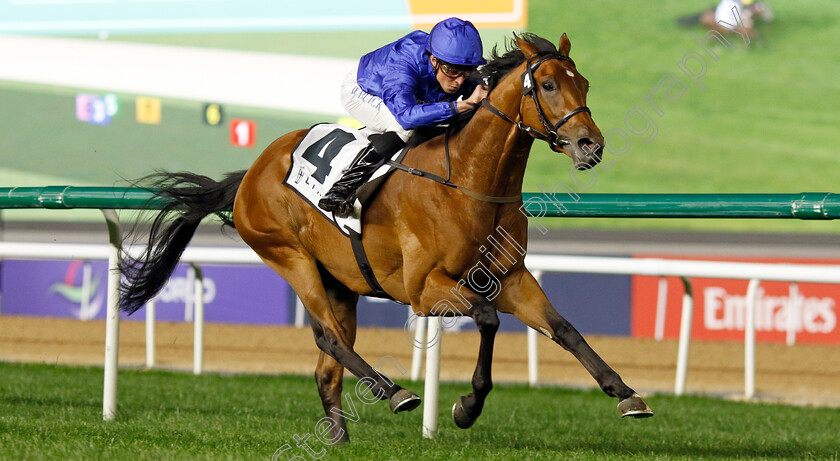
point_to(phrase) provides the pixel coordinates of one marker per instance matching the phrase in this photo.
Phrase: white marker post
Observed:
(430, 395)
(112, 317)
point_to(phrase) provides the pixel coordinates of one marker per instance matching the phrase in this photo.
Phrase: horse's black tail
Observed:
(193, 197)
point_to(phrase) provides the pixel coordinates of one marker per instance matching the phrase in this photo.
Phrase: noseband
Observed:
(529, 87)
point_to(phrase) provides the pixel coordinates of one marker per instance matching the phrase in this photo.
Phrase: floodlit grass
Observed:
(52, 412)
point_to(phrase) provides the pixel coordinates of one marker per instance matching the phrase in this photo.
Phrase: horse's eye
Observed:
(548, 86)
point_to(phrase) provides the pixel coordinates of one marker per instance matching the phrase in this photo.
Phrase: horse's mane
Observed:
(496, 68)
(500, 65)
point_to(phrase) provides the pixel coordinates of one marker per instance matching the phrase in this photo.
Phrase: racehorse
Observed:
(425, 241)
(751, 14)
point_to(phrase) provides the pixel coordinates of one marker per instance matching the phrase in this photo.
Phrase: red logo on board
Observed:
(809, 312)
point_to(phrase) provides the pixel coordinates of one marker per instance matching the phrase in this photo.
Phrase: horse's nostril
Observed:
(586, 143)
(590, 147)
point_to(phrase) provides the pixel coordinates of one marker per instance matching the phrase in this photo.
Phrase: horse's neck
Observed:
(489, 154)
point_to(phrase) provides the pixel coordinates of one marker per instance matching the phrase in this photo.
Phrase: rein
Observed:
(550, 135)
(528, 87)
(446, 182)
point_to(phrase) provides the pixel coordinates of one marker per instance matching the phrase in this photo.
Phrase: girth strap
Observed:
(364, 266)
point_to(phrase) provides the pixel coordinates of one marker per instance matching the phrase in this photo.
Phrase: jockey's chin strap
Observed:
(446, 182)
(529, 88)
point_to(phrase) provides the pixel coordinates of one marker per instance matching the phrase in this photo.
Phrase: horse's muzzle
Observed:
(586, 153)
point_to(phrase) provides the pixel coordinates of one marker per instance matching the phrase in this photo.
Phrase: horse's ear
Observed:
(526, 47)
(565, 45)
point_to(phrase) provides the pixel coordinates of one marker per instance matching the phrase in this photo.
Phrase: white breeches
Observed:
(368, 109)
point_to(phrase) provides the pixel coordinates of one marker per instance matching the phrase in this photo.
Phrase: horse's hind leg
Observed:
(301, 271)
(522, 296)
(329, 374)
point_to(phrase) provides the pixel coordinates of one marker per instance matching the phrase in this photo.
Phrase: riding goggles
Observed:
(453, 71)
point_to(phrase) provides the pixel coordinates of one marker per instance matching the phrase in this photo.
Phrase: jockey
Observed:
(724, 13)
(413, 82)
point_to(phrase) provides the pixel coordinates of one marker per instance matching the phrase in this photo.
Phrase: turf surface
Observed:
(54, 412)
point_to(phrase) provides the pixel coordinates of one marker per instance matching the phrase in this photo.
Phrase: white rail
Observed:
(193, 255)
(754, 272)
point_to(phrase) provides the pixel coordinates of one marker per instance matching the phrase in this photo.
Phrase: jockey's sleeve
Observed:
(398, 93)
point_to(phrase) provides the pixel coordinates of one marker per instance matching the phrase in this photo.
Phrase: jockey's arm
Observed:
(398, 94)
(480, 92)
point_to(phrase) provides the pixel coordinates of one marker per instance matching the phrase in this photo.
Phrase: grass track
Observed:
(52, 412)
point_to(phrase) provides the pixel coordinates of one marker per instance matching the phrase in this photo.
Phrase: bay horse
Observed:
(751, 14)
(423, 239)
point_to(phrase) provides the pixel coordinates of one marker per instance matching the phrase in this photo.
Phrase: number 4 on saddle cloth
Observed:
(318, 161)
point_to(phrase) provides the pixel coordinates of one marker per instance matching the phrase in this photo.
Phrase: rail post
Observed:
(198, 319)
(112, 318)
(430, 393)
(792, 314)
(533, 350)
(417, 352)
(685, 337)
(749, 339)
(150, 334)
(661, 308)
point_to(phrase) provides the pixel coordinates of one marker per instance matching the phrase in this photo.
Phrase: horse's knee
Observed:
(486, 317)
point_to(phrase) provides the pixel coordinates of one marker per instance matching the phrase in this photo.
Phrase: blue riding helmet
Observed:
(457, 42)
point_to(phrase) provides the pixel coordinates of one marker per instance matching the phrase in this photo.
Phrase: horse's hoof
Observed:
(462, 419)
(634, 406)
(404, 400)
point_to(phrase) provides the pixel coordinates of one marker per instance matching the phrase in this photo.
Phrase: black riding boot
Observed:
(340, 196)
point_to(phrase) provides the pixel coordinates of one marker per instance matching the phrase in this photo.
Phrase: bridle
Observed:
(529, 87)
(550, 135)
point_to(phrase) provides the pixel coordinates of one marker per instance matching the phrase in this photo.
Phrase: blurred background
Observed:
(93, 93)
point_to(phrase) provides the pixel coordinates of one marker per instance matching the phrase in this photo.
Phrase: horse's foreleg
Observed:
(441, 295)
(522, 296)
(468, 409)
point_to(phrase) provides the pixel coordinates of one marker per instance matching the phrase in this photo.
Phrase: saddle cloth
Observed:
(319, 160)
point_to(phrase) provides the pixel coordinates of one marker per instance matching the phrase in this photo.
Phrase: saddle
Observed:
(318, 161)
